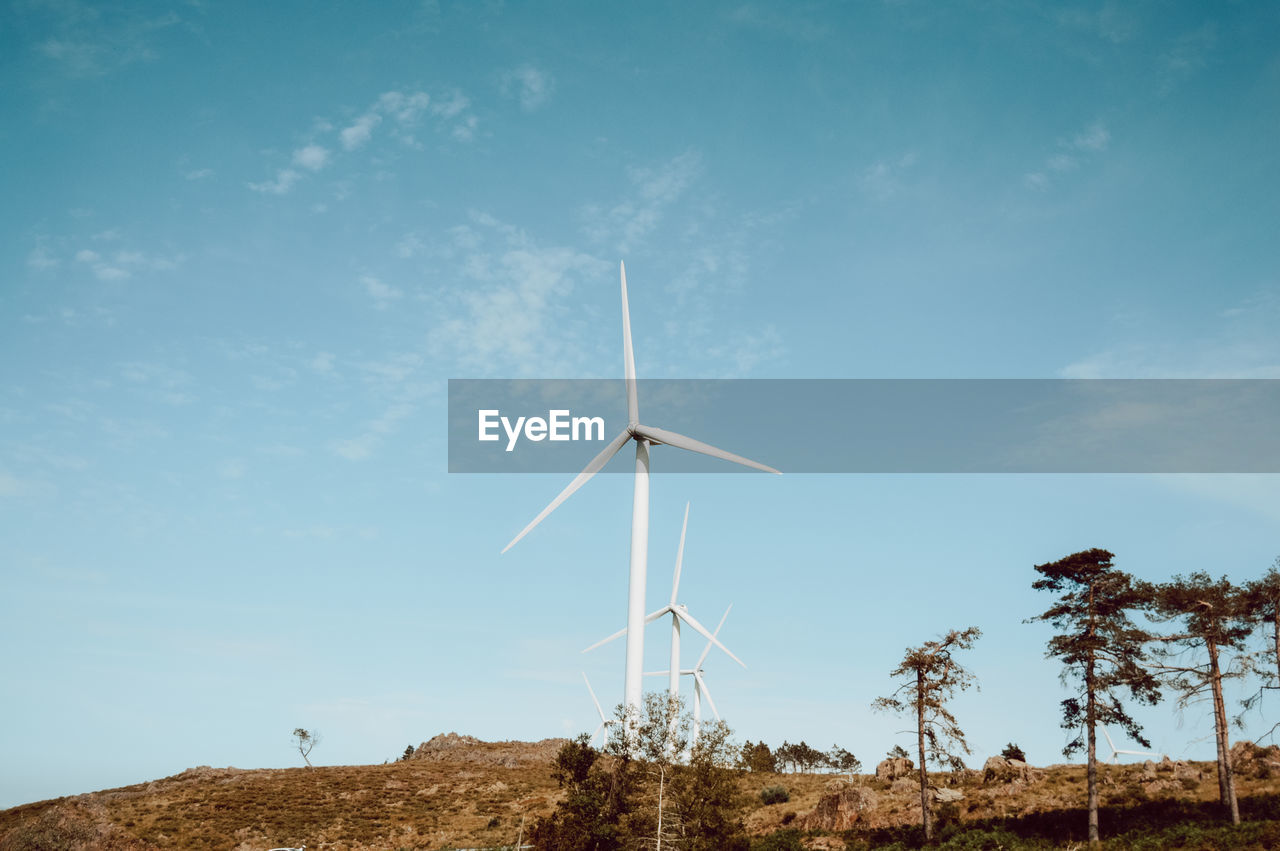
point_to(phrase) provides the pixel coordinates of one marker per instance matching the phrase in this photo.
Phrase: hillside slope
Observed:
(459, 792)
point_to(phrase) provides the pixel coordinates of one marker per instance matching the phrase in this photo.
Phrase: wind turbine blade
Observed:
(675, 585)
(604, 641)
(1108, 735)
(628, 355)
(706, 692)
(689, 619)
(648, 619)
(707, 649)
(656, 673)
(593, 700)
(596, 464)
(661, 435)
(603, 724)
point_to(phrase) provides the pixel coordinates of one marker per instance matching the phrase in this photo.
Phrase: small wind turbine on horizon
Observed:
(644, 436)
(1115, 752)
(700, 688)
(678, 612)
(605, 720)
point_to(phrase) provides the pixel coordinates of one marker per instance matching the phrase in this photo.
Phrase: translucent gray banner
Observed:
(875, 425)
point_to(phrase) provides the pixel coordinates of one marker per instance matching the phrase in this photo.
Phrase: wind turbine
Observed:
(644, 436)
(1115, 752)
(700, 688)
(678, 613)
(605, 721)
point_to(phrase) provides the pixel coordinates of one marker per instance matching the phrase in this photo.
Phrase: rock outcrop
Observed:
(451, 747)
(997, 769)
(894, 767)
(840, 808)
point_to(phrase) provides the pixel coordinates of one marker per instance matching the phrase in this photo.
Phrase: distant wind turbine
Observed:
(1115, 752)
(644, 436)
(678, 613)
(700, 689)
(605, 720)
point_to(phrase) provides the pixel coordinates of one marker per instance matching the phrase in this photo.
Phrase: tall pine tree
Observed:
(1215, 619)
(1102, 651)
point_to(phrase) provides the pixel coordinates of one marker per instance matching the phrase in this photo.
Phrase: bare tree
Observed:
(1215, 618)
(305, 740)
(1100, 648)
(932, 677)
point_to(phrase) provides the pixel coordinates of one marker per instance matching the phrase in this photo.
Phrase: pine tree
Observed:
(1262, 607)
(932, 677)
(1215, 618)
(1101, 649)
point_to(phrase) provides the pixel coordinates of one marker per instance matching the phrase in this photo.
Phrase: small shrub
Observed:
(779, 840)
(1012, 751)
(789, 816)
(771, 795)
(494, 822)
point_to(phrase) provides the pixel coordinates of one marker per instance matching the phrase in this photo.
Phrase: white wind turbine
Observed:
(1115, 752)
(700, 689)
(605, 720)
(678, 613)
(644, 436)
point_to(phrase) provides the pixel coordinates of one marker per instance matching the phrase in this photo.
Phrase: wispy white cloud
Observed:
(41, 259)
(311, 157)
(118, 265)
(532, 86)
(1239, 342)
(198, 174)
(90, 40)
(358, 133)
(654, 188)
(504, 317)
(883, 179)
(283, 182)
(1186, 57)
(1072, 154)
(381, 293)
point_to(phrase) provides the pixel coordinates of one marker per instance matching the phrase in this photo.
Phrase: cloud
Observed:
(883, 179)
(285, 180)
(532, 86)
(311, 157)
(654, 188)
(1095, 138)
(382, 294)
(505, 315)
(362, 447)
(405, 111)
(86, 40)
(41, 259)
(359, 133)
(1072, 154)
(124, 263)
(199, 174)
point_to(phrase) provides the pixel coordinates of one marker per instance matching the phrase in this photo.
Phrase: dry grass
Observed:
(465, 803)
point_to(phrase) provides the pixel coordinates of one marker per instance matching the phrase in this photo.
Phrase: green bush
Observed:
(780, 840)
(770, 795)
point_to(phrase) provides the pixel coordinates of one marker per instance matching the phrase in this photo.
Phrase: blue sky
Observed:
(244, 246)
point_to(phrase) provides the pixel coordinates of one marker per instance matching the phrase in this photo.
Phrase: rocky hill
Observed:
(459, 792)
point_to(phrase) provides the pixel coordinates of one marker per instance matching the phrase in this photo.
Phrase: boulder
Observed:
(839, 809)
(895, 767)
(947, 796)
(997, 769)
(1251, 760)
